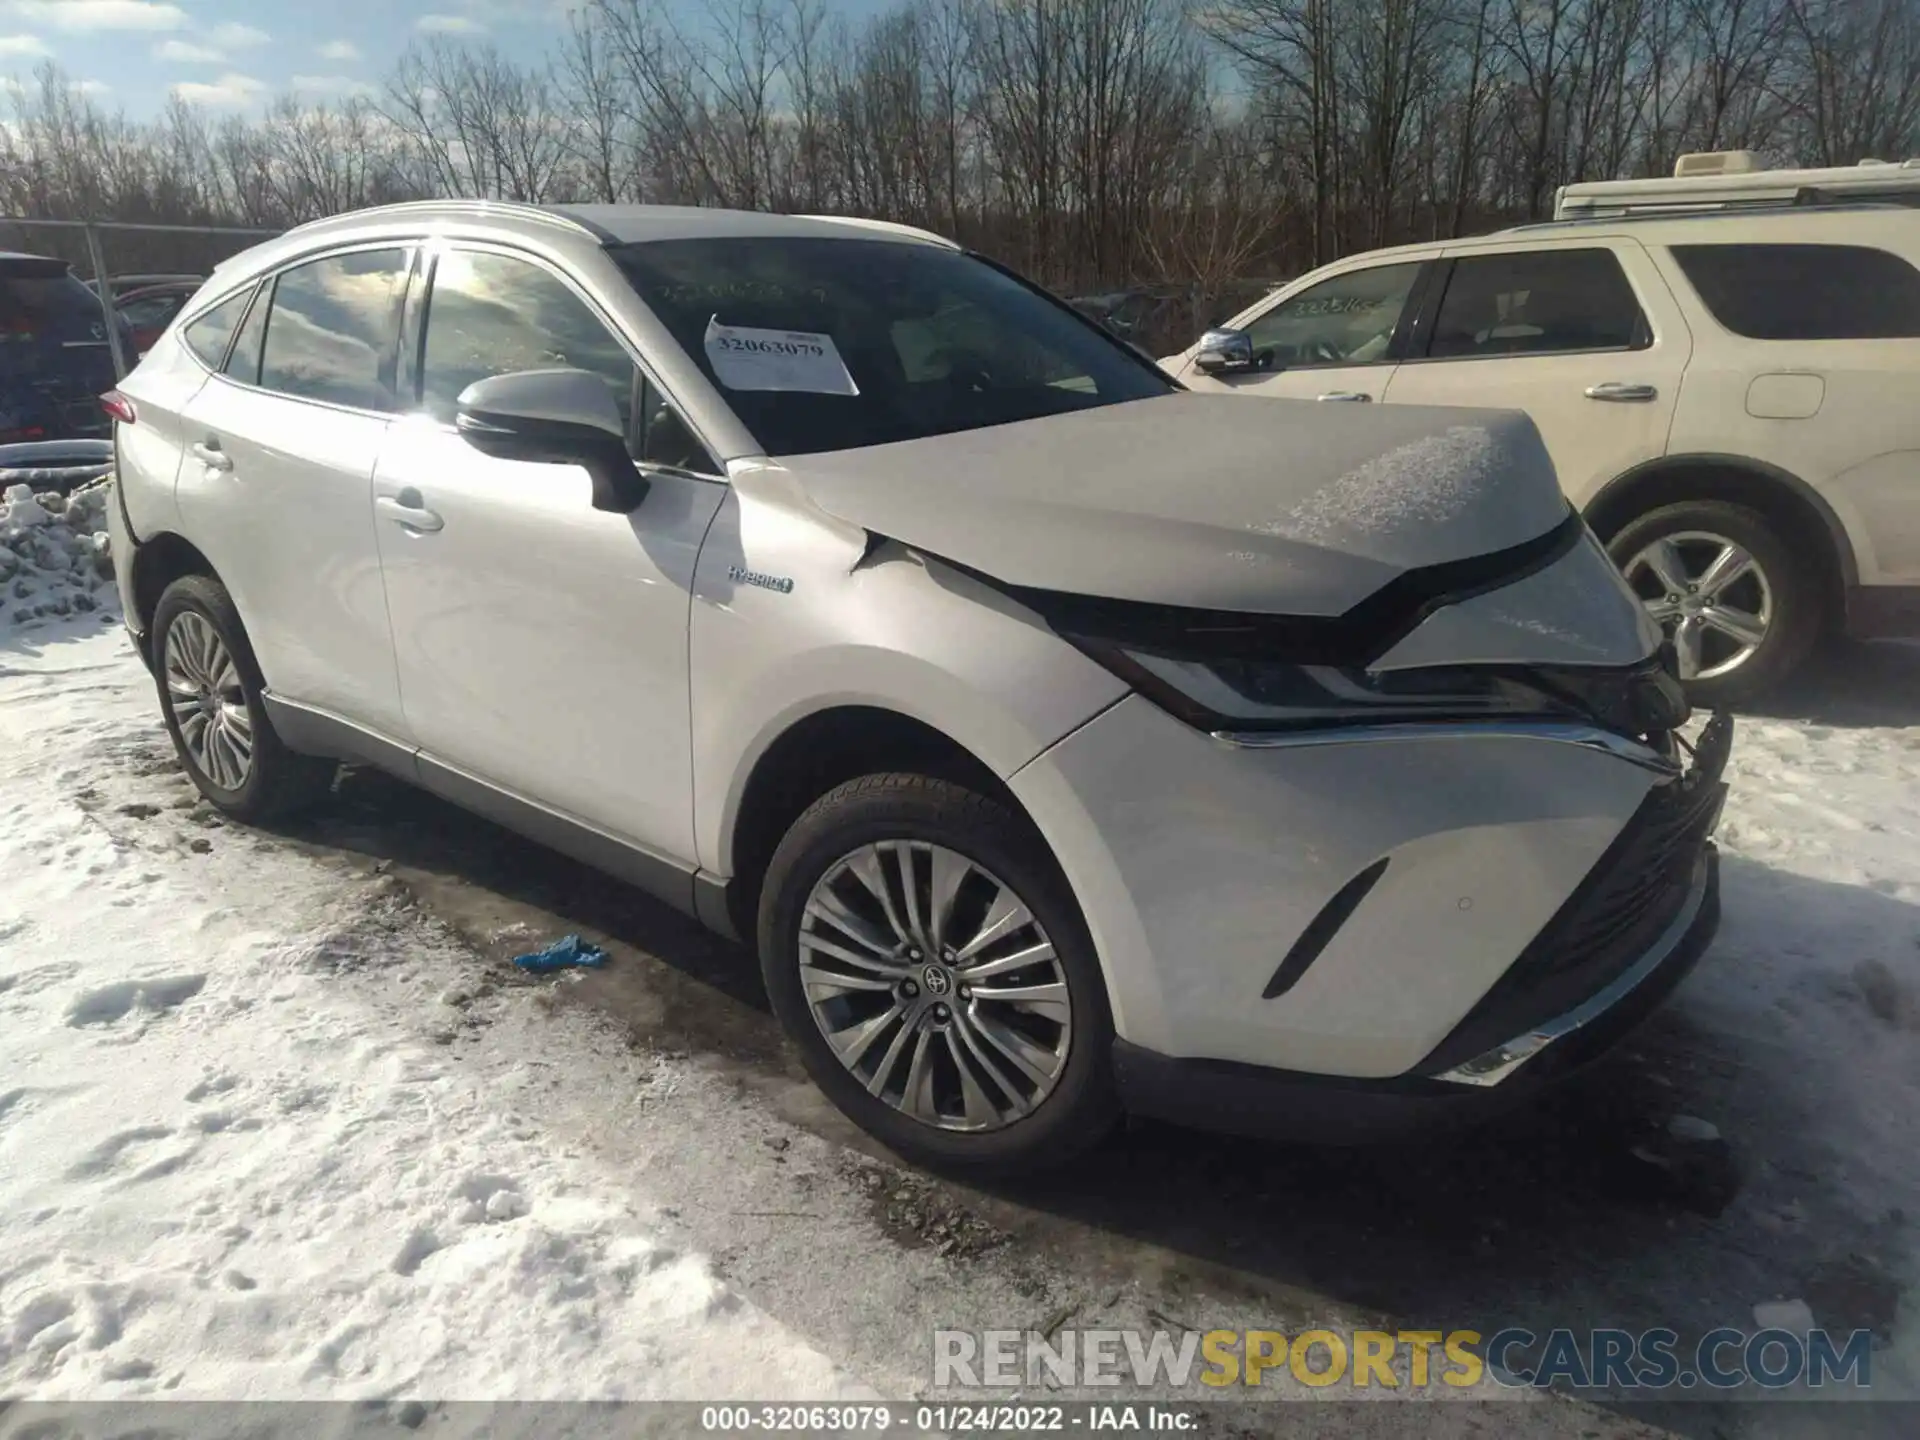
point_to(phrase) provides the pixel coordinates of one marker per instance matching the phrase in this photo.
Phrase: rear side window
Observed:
(333, 334)
(1805, 292)
(1537, 302)
(208, 336)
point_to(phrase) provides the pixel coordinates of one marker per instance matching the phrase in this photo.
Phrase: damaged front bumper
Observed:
(1620, 944)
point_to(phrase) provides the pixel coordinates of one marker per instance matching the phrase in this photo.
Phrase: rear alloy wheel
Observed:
(1741, 609)
(207, 701)
(925, 955)
(210, 697)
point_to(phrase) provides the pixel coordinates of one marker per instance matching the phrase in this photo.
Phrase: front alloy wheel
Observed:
(208, 703)
(1710, 596)
(931, 965)
(935, 985)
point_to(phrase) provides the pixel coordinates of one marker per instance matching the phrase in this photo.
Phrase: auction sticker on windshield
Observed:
(747, 359)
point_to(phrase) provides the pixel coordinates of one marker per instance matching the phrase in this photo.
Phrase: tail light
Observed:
(119, 407)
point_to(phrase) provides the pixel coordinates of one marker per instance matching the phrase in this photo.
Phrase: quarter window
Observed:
(1537, 302)
(1348, 320)
(333, 332)
(207, 337)
(496, 314)
(1805, 292)
(244, 363)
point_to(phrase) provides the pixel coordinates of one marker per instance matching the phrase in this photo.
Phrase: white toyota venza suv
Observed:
(1064, 742)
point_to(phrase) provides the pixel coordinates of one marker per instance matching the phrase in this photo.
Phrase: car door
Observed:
(1334, 339)
(276, 482)
(542, 644)
(1583, 335)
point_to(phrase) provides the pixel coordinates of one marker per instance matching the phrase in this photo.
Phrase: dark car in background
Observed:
(55, 357)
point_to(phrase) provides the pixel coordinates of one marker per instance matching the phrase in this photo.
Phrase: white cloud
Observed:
(187, 53)
(332, 86)
(344, 51)
(15, 47)
(90, 87)
(229, 91)
(238, 37)
(449, 25)
(90, 15)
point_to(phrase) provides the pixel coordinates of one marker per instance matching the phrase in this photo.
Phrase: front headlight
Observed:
(1239, 694)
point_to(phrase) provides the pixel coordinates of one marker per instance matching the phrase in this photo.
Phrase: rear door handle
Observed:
(209, 454)
(408, 511)
(1621, 390)
(1352, 396)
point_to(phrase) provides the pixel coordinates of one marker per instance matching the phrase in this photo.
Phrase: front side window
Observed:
(1535, 302)
(1805, 292)
(208, 336)
(334, 328)
(1348, 320)
(827, 344)
(494, 314)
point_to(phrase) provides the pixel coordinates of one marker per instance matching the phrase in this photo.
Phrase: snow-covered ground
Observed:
(232, 1164)
(270, 1126)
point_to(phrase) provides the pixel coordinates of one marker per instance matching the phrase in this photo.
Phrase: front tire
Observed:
(1741, 606)
(210, 689)
(926, 956)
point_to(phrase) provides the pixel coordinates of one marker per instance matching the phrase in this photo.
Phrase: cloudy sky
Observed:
(231, 54)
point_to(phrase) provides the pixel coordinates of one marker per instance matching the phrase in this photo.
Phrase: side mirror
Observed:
(554, 417)
(1226, 352)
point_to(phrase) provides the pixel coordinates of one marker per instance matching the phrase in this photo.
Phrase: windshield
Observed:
(827, 344)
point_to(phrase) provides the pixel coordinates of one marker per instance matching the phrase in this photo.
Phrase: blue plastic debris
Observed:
(566, 952)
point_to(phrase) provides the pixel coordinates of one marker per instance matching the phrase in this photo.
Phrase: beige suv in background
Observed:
(1729, 397)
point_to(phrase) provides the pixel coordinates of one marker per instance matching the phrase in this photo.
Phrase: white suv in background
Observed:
(1728, 396)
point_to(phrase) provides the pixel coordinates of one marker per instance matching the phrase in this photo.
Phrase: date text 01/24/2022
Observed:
(958, 1419)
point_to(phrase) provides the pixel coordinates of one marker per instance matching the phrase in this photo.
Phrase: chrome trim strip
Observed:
(1502, 1060)
(1589, 737)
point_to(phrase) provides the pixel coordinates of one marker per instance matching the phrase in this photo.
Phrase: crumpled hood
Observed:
(1219, 502)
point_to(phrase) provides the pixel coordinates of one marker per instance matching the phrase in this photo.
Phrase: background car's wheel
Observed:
(1741, 608)
(924, 953)
(210, 695)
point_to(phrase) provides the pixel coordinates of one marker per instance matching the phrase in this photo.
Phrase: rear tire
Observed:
(210, 689)
(951, 1076)
(1775, 595)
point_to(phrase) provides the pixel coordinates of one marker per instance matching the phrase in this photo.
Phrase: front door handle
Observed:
(1352, 396)
(1621, 390)
(408, 511)
(209, 454)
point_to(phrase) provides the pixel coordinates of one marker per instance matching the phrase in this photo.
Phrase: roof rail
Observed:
(516, 208)
(1808, 197)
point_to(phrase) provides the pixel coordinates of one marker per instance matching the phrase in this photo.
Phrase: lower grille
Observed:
(1628, 899)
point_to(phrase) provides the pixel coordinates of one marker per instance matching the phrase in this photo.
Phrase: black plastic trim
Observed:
(1321, 930)
(1357, 638)
(315, 732)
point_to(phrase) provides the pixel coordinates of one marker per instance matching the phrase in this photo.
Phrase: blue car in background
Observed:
(55, 358)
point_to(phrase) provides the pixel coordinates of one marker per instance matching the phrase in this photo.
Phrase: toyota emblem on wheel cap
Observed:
(935, 978)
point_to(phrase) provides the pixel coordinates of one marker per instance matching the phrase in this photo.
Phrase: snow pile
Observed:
(54, 558)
